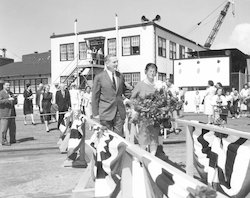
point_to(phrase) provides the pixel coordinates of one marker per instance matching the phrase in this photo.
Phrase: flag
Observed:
(222, 161)
(161, 183)
(76, 133)
(108, 156)
(66, 123)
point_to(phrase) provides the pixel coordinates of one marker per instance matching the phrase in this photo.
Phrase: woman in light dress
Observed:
(148, 135)
(197, 102)
(244, 94)
(75, 98)
(87, 97)
(208, 108)
(219, 103)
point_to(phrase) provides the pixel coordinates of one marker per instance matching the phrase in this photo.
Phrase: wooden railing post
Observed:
(127, 177)
(189, 149)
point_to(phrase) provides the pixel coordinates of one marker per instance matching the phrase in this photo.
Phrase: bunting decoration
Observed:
(77, 131)
(108, 154)
(222, 161)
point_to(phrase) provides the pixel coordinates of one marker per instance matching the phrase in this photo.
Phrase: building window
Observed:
(112, 46)
(161, 47)
(162, 76)
(19, 85)
(131, 45)
(189, 55)
(67, 52)
(82, 51)
(182, 51)
(172, 50)
(132, 78)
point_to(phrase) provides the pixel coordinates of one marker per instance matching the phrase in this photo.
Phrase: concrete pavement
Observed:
(33, 168)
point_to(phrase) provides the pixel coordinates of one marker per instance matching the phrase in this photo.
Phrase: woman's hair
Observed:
(28, 85)
(151, 65)
(45, 86)
(218, 83)
(211, 83)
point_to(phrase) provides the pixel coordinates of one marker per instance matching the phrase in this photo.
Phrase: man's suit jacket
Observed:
(7, 107)
(105, 99)
(63, 102)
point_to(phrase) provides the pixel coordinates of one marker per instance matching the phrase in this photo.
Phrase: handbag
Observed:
(202, 101)
(224, 111)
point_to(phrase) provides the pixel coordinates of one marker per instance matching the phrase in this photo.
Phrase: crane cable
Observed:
(197, 25)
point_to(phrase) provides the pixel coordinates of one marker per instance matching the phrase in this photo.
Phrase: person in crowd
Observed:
(244, 95)
(89, 55)
(236, 101)
(181, 97)
(107, 101)
(219, 102)
(99, 56)
(229, 99)
(28, 104)
(208, 108)
(54, 108)
(63, 102)
(219, 85)
(149, 135)
(197, 102)
(87, 99)
(7, 115)
(175, 92)
(75, 97)
(82, 101)
(46, 102)
(94, 53)
(38, 94)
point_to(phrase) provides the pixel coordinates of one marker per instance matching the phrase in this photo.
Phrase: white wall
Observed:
(197, 72)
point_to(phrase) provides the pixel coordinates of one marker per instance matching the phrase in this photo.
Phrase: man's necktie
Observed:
(113, 78)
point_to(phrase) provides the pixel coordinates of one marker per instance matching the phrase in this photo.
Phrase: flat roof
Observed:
(125, 27)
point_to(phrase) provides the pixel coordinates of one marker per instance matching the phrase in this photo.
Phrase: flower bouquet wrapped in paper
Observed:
(154, 108)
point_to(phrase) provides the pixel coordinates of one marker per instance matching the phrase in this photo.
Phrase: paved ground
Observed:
(33, 168)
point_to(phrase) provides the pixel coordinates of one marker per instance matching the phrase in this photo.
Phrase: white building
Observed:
(137, 45)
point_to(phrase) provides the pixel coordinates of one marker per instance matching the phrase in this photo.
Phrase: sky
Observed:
(26, 25)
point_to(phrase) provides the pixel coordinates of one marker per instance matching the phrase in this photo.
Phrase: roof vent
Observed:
(35, 52)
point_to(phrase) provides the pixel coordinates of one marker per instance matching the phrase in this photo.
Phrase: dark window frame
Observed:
(162, 49)
(67, 53)
(108, 46)
(172, 52)
(131, 47)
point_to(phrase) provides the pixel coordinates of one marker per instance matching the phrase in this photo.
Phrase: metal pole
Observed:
(76, 34)
(117, 36)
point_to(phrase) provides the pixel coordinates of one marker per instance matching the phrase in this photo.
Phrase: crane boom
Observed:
(217, 25)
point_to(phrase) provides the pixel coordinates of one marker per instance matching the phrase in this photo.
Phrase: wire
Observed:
(198, 24)
(13, 54)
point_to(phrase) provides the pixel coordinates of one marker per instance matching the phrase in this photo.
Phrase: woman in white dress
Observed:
(208, 108)
(244, 94)
(75, 98)
(87, 103)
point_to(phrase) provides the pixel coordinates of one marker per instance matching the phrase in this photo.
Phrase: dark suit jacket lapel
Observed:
(108, 78)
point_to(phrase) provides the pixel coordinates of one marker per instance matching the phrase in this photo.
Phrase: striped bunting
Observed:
(161, 183)
(223, 161)
(108, 156)
(77, 131)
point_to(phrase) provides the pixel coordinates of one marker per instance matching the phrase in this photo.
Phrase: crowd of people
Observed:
(105, 103)
(218, 103)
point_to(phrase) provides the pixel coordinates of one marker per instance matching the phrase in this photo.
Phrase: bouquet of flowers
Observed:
(154, 108)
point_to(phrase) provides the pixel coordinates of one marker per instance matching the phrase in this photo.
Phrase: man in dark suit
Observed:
(107, 101)
(63, 102)
(7, 115)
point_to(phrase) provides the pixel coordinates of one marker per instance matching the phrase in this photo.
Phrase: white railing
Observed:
(131, 185)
